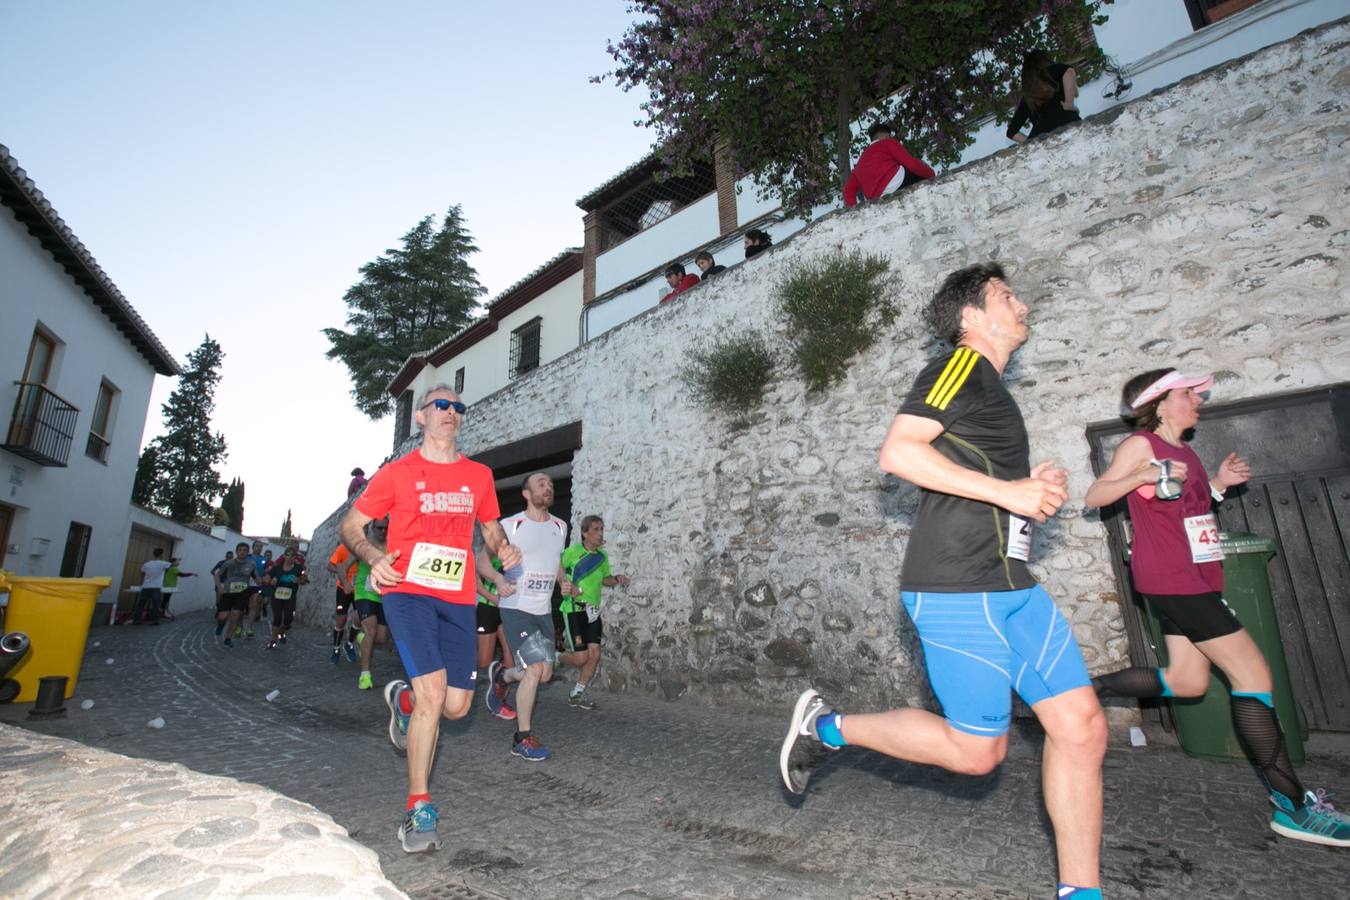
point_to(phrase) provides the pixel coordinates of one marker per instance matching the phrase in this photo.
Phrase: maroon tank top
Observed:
(1161, 556)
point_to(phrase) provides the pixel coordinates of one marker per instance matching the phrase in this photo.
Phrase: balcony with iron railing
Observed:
(43, 426)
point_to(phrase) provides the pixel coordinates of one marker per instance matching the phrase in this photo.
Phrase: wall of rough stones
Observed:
(1203, 225)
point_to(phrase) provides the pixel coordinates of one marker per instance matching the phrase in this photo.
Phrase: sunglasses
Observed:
(443, 404)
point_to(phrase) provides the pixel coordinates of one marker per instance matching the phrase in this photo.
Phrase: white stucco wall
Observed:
(199, 553)
(658, 245)
(35, 289)
(487, 363)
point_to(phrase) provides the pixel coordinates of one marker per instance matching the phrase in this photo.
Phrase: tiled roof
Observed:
(36, 213)
(642, 168)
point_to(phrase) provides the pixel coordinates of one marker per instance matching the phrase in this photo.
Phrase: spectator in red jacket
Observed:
(678, 281)
(884, 168)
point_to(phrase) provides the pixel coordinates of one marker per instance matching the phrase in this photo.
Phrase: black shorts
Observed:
(1196, 617)
(489, 618)
(232, 602)
(577, 632)
(283, 612)
(344, 600)
(368, 608)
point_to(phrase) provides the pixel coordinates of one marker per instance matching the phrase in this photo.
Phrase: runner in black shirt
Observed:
(987, 628)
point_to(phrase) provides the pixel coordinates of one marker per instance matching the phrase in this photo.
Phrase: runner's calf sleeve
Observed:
(1136, 682)
(1259, 728)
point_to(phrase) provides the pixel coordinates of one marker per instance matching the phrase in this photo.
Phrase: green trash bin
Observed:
(1205, 724)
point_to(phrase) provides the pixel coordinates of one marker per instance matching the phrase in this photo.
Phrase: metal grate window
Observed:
(459, 380)
(402, 418)
(525, 347)
(659, 198)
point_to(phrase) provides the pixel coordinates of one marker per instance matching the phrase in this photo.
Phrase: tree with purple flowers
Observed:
(783, 82)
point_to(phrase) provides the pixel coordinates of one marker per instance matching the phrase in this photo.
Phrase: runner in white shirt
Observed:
(527, 614)
(151, 595)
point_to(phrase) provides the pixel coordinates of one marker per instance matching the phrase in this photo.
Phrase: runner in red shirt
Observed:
(433, 497)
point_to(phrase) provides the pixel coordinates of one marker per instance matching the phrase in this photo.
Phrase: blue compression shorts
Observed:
(979, 645)
(431, 634)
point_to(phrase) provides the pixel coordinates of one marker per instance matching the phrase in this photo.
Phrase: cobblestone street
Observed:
(652, 799)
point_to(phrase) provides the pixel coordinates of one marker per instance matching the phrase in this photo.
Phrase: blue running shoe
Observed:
(529, 748)
(418, 834)
(334, 658)
(398, 720)
(350, 650)
(229, 644)
(492, 697)
(1316, 821)
(220, 628)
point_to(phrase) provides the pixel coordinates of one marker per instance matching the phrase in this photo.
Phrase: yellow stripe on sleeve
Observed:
(953, 376)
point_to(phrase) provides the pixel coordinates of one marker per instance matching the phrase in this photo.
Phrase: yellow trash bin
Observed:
(55, 614)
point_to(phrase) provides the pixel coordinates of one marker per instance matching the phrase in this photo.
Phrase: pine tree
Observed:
(232, 504)
(185, 459)
(286, 525)
(411, 298)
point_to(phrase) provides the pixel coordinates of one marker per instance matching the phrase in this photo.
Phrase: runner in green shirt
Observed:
(171, 576)
(491, 584)
(374, 629)
(587, 566)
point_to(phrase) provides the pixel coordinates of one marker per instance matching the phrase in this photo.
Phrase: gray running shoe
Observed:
(802, 750)
(579, 701)
(418, 834)
(398, 720)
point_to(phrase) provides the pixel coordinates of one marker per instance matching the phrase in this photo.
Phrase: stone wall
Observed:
(1203, 225)
(80, 822)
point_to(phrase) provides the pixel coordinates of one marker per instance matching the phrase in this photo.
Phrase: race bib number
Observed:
(237, 587)
(1019, 538)
(438, 567)
(1202, 532)
(592, 614)
(537, 586)
(282, 593)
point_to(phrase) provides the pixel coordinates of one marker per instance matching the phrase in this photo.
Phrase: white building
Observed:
(74, 391)
(635, 226)
(528, 325)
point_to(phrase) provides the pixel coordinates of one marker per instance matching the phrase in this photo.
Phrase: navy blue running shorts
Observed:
(368, 608)
(431, 635)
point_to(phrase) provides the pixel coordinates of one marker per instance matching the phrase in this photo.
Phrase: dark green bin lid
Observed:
(1238, 542)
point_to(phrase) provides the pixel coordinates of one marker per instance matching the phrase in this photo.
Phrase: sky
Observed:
(232, 165)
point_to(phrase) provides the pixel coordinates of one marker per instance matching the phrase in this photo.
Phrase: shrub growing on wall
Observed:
(731, 373)
(833, 308)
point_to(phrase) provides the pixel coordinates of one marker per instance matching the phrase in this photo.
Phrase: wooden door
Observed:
(140, 547)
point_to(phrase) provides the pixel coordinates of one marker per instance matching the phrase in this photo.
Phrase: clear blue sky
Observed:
(231, 165)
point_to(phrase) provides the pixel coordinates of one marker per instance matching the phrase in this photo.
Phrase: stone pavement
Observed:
(174, 834)
(648, 799)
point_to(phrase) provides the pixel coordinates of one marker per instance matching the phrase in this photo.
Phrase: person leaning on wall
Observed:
(1049, 95)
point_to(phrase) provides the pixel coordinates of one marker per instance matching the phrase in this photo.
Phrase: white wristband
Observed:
(1216, 494)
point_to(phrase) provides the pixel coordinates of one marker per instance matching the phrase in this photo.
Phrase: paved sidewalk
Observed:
(648, 799)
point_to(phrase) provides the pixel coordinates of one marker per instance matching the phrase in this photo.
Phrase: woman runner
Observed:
(1176, 566)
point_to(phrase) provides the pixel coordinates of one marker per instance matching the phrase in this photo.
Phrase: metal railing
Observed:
(43, 426)
(97, 448)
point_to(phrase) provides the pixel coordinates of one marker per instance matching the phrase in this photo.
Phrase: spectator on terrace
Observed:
(707, 265)
(1049, 90)
(358, 481)
(884, 168)
(678, 281)
(756, 241)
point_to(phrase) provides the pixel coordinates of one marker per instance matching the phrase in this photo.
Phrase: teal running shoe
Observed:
(1316, 821)
(418, 834)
